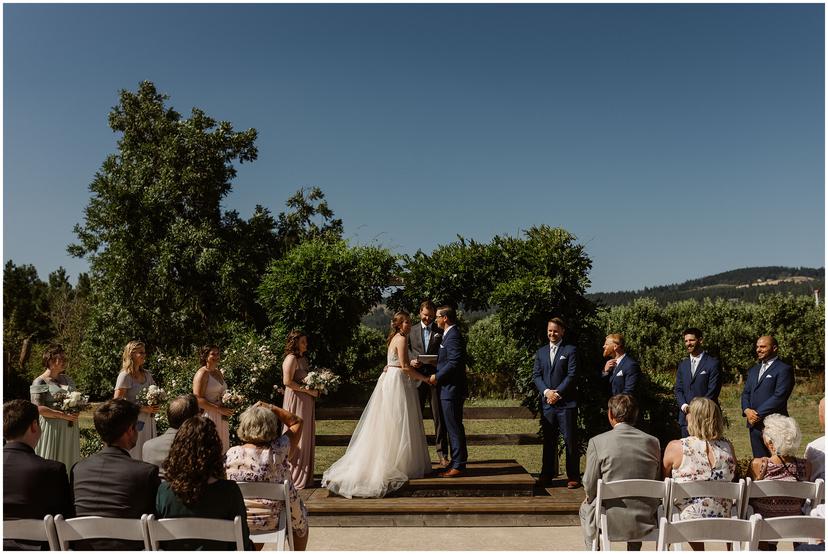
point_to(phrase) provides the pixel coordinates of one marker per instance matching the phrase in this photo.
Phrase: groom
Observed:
(451, 380)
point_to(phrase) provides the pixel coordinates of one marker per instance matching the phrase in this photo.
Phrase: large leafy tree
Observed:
(163, 257)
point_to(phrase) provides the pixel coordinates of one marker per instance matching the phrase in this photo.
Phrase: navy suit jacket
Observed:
(707, 382)
(451, 366)
(559, 376)
(771, 395)
(623, 379)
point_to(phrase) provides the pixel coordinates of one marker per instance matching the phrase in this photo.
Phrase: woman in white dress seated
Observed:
(388, 447)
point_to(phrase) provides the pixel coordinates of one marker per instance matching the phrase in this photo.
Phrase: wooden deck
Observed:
(491, 493)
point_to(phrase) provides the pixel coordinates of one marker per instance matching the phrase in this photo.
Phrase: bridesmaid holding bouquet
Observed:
(301, 401)
(209, 388)
(132, 379)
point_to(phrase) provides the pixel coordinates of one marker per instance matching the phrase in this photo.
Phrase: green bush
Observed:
(494, 360)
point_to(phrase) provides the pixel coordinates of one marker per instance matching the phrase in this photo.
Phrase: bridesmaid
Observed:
(132, 379)
(300, 401)
(209, 387)
(60, 438)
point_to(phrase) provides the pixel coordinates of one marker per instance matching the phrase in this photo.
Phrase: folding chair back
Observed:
(42, 530)
(279, 492)
(627, 488)
(735, 492)
(793, 528)
(170, 529)
(811, 493)
(711, 529)
(95, 527)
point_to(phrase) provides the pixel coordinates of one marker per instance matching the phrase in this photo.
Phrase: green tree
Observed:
(324, 288)
(154, 233)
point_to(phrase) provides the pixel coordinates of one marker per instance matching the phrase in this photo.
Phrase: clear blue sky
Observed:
(675, 141)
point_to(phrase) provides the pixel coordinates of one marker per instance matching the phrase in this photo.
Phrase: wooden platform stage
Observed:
(492, 493)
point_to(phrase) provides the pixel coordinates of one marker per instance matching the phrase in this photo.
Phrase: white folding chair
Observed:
(735, 492)
(277, 492)
(170, 529)
(811, 493)
(792, 528)
(709, 529)
(95, 527)
(631, 489)
(42, 530)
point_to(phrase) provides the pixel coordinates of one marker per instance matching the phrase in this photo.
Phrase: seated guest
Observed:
(782, 437)
(704, 455)
(815, 458)
(32, 486)
(264, 457)
(195, 485)
(622, 453)
(111, 483)
(180, 409)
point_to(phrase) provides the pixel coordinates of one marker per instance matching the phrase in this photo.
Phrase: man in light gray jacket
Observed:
(181, 409)
(622, 453)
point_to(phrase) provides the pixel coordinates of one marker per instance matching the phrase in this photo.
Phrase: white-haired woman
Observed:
(781, 436)
(264, 458)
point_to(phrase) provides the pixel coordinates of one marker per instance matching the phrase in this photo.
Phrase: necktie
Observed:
(693, 363)
(552, 352)
(762, 369)
(426, 337)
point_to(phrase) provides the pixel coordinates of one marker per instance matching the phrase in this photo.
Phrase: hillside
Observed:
(742, 284)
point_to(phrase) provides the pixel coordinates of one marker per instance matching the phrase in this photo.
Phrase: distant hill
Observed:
(741, 284)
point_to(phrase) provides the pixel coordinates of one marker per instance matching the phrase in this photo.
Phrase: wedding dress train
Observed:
(388, 446)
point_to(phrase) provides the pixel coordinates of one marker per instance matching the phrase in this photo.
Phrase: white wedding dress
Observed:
(388, 446)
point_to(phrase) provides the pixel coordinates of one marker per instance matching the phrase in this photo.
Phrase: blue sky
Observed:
(674, 141)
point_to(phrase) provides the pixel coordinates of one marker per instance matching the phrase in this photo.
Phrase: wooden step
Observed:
(506, 412)
(476, 440)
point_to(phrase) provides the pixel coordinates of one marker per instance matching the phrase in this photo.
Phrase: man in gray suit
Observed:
(622, 453)
(424, 338)
(180, 410)
(110, 483)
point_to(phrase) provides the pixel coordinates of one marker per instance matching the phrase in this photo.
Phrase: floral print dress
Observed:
(696, 467)
(267, 465)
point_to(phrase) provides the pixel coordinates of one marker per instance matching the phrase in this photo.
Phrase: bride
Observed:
(388, 446)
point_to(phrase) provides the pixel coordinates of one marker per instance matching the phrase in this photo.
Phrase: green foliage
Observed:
(364, 358)
(653, 332)
(496, 362)
(324, 288)
(90, 442)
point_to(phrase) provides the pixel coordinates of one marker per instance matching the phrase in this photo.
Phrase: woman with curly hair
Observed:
(132, 379)
(196, 486)
(301, 401)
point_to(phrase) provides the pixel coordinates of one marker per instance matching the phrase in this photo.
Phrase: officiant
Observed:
(424, 342)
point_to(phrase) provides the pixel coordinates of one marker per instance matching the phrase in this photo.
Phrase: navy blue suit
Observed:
(560, 417)
(451, 380)
(770, 396)
(707, 382)
(623, 379)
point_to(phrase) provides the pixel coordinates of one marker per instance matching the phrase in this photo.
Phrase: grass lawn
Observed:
(802, 406)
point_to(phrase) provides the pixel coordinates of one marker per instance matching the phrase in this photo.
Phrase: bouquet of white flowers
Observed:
(70, 402)
(152, 396)
(322, 380)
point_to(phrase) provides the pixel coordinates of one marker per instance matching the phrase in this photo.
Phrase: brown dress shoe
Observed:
(452, 473)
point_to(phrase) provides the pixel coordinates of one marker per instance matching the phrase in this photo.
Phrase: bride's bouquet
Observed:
(152, 396)
(322, 380)
(70, 402)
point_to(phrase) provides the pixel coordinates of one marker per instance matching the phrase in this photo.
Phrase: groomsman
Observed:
(697, 375)
(767, 388)
(621, 371)
(424, 338)
(451, 378)
(554, 377)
